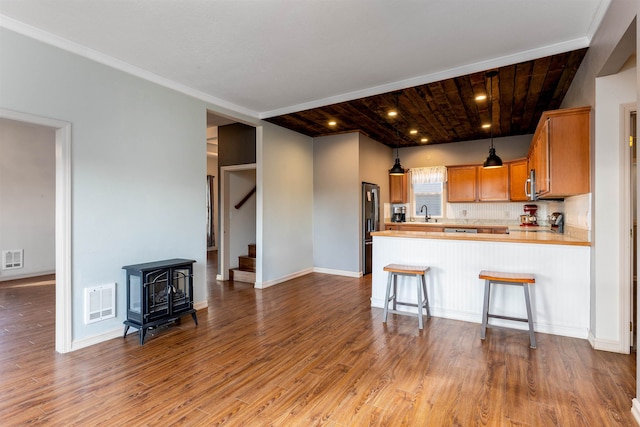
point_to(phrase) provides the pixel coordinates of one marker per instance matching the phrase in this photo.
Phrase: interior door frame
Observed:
(626, 301)
(63, 316)
(225, 212)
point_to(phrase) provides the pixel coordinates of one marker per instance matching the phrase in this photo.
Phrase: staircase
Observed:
(246, 271)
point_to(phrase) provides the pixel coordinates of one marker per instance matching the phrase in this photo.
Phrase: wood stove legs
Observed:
(142, 329)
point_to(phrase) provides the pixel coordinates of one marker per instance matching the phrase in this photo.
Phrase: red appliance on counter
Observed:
(529, 218)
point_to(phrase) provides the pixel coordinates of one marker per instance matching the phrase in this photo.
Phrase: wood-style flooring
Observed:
(307, 352)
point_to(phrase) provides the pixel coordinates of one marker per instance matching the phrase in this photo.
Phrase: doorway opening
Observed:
(63, 310)
(237, 221)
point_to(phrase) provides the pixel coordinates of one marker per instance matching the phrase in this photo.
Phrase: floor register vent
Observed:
(100, 302)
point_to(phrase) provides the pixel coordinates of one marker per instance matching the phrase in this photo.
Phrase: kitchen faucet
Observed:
(426, 213)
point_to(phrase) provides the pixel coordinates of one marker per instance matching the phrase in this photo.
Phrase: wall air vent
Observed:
(12, 259)
(99, 303)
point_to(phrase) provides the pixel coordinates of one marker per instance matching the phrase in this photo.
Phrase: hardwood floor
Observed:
(307, 352)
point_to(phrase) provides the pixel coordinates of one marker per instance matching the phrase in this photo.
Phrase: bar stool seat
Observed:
(419, 272)
(513, 279)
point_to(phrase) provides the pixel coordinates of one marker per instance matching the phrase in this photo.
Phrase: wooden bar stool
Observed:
(514, 279)
(419, 272)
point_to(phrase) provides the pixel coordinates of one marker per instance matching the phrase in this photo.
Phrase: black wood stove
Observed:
(157, 293)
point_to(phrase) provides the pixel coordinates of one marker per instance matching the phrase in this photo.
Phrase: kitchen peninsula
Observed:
(560, 262)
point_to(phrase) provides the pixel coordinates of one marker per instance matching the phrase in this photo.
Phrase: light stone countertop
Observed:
(515, 236)
(462, 224)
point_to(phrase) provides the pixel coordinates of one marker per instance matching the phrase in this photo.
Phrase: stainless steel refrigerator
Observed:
(370, 222)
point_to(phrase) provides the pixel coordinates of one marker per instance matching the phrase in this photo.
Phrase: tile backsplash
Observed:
(576, 210)
(508, 212)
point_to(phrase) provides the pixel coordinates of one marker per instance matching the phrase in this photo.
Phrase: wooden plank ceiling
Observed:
(446, 111)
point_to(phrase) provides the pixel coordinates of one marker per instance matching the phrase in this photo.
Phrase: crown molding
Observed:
(85, 52)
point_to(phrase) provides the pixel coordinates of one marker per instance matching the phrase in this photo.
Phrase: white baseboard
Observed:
(355, 274)
(201, 305)
(306, 271)
(592, 339)
(477, 318)
(26, 276)
(635, 409)
(263, 285)
(96, 339)
(117, 333)
(606, 345)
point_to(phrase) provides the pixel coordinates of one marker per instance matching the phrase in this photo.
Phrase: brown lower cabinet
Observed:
(435, 228)
(410, 227)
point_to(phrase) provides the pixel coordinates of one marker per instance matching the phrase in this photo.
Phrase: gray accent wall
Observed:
(465, 153)
(284, 207)
(336, 203)
(236, 144)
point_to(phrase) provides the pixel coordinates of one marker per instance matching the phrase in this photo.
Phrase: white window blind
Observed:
(427, 190)
(429, 195)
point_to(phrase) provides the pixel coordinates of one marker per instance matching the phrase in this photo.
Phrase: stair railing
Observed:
(245, 198)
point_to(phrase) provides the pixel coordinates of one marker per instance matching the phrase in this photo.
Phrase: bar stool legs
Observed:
(513, 279)
(392, 281)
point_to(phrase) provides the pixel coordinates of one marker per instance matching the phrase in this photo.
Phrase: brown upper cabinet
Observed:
(398, 188)
(518, 175)
(462, 183)
(493, 184)
(473, 183)
(560, 153)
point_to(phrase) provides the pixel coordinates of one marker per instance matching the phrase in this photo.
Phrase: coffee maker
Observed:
(399, 214)
(529, 218)
(556, 220)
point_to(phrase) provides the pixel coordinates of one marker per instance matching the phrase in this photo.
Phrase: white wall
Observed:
(27, 196)
(582, 92)
(609, 194)
(138, 162)
(242, 221)
(336, 204)
(284, 204)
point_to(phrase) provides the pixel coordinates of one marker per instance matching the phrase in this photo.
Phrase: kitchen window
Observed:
(429, 195)
(427, 189)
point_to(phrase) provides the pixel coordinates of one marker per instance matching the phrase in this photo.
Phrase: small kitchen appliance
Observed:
(529, 218)
(556, 220)
(399, 214)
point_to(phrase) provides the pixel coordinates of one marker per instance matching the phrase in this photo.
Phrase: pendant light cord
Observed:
(491, 75)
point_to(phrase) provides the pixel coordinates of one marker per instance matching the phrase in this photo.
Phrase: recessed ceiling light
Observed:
(481, 97)
(486, 126)
(413, 131)
(424, 140)
(332, 123)
(392, 113)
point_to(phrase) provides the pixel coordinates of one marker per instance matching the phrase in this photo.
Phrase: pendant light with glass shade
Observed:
(493, 161)
(397, 168)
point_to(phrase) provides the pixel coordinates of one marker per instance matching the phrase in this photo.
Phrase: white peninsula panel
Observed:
(559, 298)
